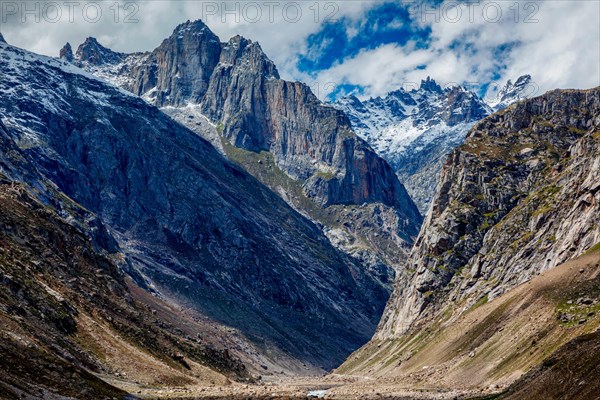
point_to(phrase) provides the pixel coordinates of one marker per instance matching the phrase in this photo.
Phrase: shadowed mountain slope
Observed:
(195, 228)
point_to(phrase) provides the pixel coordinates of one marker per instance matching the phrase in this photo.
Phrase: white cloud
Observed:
(277, 25)
(561, 50)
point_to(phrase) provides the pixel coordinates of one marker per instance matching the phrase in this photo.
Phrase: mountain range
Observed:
(231, 94)
(184, 222)
(415, 130)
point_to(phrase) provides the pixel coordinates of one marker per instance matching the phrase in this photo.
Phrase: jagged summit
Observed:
(2, 40)
(240, 48)
(192, 31)
(66, 53)
(93, 53)
(192, 26)
(430, 85)
(523, 88)
(523, 80)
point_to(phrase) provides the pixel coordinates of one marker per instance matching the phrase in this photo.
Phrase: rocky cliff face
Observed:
(234, 85)
(520, 196)
(415, 130)
(195, 228)
(179, 70)
(237, 86)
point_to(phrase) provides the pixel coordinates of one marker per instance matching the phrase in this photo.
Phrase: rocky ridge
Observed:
(519, 197)
(231, 93)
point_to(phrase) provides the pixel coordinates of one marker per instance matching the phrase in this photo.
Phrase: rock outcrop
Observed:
(93, 53)
(179, 70)
(66, 53)
(520, 196)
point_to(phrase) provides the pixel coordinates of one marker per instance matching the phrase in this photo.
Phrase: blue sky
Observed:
(368, 47)
(386, 23)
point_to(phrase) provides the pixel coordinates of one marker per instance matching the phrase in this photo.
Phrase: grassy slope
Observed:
(571, 373)
(495, 342)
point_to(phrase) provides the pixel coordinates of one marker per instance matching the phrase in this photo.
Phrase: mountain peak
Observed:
(197, 27)
(91, 40)
(239, 47)
(2, 38)
(66, 53)
(93, 53)
(513, 92)
(430, 85)
(523, 80)
(239, 42)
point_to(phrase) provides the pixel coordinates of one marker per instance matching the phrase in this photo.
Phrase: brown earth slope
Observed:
(67, 316)
(493, 344)
(571, 373)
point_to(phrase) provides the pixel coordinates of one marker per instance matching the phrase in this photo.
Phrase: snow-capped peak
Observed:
(522, 89)
(415, 130)
(377, 120)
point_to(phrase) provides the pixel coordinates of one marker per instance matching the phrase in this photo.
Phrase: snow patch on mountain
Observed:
(522, 89)
(415, 130)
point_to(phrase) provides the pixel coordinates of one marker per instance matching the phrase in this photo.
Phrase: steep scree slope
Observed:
(538, 331)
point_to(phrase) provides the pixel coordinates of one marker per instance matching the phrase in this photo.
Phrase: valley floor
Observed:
(330, 387)
(566, 367)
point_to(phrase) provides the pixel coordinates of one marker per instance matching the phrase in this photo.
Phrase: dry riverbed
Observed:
(329, 387)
